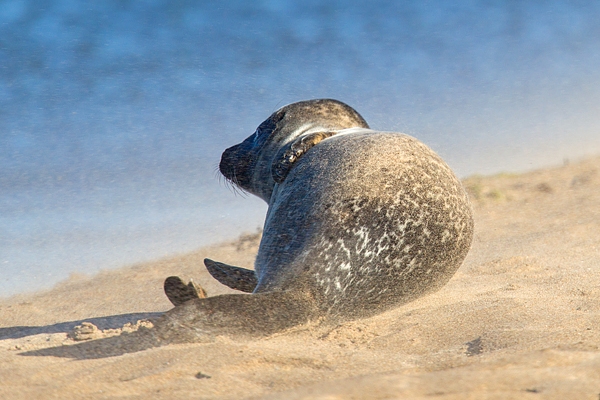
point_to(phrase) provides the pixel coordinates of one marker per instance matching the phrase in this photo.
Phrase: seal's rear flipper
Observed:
(178, 292)
(235, 277)
(242, 316)
(238, 315)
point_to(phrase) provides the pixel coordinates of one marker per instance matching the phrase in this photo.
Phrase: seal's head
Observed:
(253, 164)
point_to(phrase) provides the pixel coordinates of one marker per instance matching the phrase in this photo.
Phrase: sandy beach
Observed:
(519, 320)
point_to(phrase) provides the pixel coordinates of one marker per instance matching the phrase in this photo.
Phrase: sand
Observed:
(519, 320)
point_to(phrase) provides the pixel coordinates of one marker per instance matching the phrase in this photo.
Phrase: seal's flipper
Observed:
(178, 292)
(235, 277)
(200, 320)
(240, 315)
(288, 155)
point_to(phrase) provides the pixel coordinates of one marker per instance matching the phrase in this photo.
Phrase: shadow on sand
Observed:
(100, 348)
(110, 322)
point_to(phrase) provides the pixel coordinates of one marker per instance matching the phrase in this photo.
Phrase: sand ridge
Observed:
(519, 320)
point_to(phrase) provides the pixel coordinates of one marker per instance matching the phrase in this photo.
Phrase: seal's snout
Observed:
(236, 166)
(226, 166)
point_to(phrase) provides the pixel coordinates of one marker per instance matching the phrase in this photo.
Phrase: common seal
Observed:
(359, 221)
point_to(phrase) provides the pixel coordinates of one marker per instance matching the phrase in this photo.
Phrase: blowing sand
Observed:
(520, 320)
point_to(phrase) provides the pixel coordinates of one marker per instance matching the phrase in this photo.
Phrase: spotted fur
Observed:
(364, 219)
(359, 221)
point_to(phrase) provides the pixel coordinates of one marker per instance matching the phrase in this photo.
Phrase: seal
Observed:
(359, 221)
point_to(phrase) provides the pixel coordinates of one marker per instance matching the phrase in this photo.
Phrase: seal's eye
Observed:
(266, 128)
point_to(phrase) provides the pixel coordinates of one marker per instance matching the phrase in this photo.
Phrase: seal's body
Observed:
(358, 221)
(366, 220)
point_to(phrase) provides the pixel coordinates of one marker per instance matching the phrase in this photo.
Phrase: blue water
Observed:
(113, 113)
